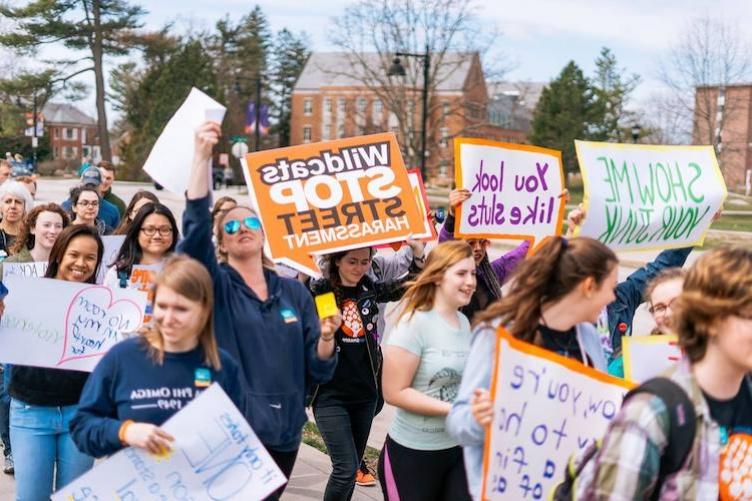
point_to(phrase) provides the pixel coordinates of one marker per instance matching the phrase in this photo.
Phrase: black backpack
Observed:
(682, 424)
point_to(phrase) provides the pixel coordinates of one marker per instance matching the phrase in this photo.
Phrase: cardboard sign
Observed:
(332, 196)
(646, 357)
(547, 407)
(421, 198)
(77, 325)
(169, 162)
(514, 190)
(220, 459)
(35, 269)
(142, 279)
(112, 245)
(642, 197)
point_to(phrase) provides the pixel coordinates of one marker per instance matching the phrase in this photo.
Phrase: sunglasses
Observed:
(233, 225)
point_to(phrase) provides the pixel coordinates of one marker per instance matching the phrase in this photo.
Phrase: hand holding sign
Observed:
(206, 137)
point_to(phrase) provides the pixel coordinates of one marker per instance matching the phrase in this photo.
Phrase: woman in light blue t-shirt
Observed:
(423, 364)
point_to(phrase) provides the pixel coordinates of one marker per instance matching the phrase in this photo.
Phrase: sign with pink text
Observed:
(77, 324)
(514, 190)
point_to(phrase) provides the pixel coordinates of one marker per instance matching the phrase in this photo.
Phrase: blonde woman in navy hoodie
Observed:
(267, 323)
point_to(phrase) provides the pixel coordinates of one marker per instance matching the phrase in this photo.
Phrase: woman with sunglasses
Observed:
(266, 322)
(151, 237)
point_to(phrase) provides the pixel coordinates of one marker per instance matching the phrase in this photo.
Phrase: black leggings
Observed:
(286, 463)
(412, 475)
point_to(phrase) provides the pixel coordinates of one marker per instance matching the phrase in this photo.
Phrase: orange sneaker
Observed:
(364, 477)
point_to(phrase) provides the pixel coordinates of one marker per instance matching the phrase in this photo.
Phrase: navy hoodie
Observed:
(128, 384)
(274, 341)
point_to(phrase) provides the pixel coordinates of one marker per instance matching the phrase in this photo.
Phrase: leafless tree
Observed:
(709, 56)
(371, 32)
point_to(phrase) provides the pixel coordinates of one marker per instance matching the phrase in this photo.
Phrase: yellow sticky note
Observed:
(326, 305)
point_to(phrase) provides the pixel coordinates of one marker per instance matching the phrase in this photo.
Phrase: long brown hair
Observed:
(555, 269)
(421, 292)
(122, 229)
(25, 239)
(190, 279)
(718, 285)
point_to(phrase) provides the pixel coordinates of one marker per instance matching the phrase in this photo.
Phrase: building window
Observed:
(445, 108)
(444, 140)
(327, 105)
(308, 107)
(341, 106)
(327, 132)
(341, 130)
(362, 104)
(307, 134)
(377, 108)
(57, 135)
(57, 151)
(70, 152)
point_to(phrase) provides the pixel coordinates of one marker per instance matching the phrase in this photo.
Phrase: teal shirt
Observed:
(443, 351)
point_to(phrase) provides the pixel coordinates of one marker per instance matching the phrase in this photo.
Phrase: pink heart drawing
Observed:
(94, 323)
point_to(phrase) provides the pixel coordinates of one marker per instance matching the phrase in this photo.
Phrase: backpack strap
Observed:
(682, 424)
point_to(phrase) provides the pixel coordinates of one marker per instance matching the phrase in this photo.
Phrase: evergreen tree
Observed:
(100, 27)
(612, 90)
(290, 54)
(566, 108)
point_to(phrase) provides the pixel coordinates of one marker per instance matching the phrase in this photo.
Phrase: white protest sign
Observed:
(112, 245)
(547, 407)
(222, 459)
(646, 357)
(514, 190)
(34, 269)
(169, 162)
(641, 197)
(76, 326)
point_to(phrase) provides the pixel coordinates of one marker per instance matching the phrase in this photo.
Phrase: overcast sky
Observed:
(538, 36)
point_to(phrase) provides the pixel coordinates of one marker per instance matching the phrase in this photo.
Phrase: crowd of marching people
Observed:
(221, 313)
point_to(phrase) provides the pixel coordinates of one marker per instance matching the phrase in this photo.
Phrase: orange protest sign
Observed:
(515, 190)
(421, 197)
(330, 196)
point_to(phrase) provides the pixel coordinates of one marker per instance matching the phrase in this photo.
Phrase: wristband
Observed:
(123, 428)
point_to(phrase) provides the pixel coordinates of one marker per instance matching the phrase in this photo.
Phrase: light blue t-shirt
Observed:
(443, 350)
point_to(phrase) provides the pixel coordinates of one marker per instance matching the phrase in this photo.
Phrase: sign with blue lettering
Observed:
(220, 459)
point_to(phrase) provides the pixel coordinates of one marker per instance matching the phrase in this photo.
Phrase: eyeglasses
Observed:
(233, 225)
(150, 231)
(660, 308)
(88, 203)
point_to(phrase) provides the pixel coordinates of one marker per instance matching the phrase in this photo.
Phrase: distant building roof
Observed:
(527, 93)
(64, 113)
(336, 69)
(511, 104)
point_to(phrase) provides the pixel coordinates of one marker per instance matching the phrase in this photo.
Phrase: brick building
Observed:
(333, 99)
(73, 134)
(723, 118)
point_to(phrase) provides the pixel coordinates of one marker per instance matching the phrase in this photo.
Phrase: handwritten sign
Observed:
(142, 279)
(641, 197)
(169, 164)
(514, 190)
(34, 269)
(547, 407)
(336, 195)
(78, 324)
(221, 459)
(421, 198)
(112, 245)
(646, 357)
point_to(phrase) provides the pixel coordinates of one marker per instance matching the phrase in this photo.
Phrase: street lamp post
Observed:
(398, 70)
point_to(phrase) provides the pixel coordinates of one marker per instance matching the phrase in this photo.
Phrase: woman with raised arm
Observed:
(267, 323)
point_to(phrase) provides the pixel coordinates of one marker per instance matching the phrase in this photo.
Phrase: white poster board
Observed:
(215, 456)
(34, 269)
(112, 245)
(646, 357)
(643, 197)
(514, 190)
(547, 407)
(169, 162)
(65, 325)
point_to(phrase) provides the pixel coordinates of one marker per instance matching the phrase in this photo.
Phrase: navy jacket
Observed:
(107, 213)
(273, 341)
(630, 292)
(128, 384)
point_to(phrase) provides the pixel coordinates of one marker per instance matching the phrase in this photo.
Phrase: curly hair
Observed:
(25, 237)
(717, 286)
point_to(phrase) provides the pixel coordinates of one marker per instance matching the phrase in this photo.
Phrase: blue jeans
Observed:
(43, 450)
(5, 409)
(345, 430)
